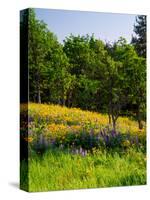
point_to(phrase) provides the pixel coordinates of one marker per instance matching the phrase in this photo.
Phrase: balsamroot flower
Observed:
(28, 139)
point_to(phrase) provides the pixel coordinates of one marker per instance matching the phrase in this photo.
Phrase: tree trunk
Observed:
(69, 99)
(63, 101)
(114, 123)
(139, 120)
(140, 124)
(38, 88)
(109, 115)
(39, 96)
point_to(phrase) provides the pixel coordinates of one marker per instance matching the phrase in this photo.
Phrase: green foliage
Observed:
(48, 64)
(131, 76)
(139, 41)
(87, 73)
(87, 60)
(57, 170)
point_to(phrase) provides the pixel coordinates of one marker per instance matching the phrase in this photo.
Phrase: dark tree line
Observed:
(139, 41)
(87, 73)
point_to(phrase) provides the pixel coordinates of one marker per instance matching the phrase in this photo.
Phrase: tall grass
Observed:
(57, 170)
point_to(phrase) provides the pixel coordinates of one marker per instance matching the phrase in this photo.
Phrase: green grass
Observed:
(56, 170)
(118, 161)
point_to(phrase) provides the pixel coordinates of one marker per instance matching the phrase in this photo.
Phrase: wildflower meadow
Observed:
(70, 149)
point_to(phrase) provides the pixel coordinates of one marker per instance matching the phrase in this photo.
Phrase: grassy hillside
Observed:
(70, 148)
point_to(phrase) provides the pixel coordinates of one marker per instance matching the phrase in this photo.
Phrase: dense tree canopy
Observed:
(87, 73)
(139, 40)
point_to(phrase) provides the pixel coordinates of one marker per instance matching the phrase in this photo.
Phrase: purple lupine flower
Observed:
(30, 119)
(53, 141)
(113, 133)
(132, 140)
(101, 133)
(98, 137)
(83, 153)
(136, 140)
(80, 150)
(106, 138)
(104, 133)
(76, 151)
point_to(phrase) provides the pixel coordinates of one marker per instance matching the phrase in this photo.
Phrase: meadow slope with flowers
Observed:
(70, 148)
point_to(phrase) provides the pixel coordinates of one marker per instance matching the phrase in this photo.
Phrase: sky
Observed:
(105, 26)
